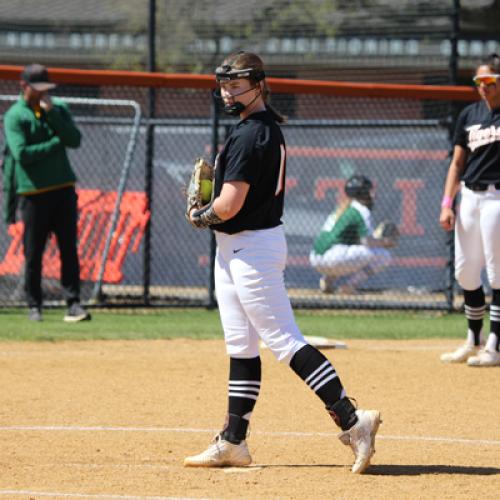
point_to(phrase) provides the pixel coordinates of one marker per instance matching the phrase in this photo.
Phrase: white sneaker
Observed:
(485, 358)
(460, 355)
(221, 453)
(361, 438)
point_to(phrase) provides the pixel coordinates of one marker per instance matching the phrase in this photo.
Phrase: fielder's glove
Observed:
(387, 230)
(200, 187)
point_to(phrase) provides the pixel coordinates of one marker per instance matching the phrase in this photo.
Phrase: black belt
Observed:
(475, 186)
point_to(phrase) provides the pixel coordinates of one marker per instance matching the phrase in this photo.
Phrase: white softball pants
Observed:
(477, 238)
(253, 301)
(343, 260)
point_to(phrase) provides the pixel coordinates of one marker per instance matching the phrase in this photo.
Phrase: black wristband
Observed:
(205, 217)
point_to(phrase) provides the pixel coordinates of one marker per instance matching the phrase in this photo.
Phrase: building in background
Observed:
(362, 40)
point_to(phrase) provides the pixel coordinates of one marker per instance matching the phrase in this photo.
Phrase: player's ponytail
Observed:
(342, 208)
(266, 94)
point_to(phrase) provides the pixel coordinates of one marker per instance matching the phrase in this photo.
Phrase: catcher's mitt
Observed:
(199, 190)
(387, 229)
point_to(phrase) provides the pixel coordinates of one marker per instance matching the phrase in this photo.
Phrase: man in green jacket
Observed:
(37, 170)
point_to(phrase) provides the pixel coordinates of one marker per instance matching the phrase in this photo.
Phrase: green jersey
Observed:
(353, 224)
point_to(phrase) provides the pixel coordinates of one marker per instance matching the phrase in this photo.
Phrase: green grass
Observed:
(204, 324)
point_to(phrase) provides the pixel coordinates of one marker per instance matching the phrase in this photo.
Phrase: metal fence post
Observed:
(453, 75)
(150, 132)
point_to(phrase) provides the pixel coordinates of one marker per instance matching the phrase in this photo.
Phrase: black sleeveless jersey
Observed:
(254, 152)
(478, 131)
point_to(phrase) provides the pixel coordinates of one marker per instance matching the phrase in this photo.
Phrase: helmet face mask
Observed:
(230, 93)
(226, 73)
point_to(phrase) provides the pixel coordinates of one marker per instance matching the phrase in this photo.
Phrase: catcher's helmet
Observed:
(358, 186)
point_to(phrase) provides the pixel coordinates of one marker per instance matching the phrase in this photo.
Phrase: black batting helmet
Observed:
(358, 186)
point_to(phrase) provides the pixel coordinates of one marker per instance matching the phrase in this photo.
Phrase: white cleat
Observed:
(485, 357)
(221, 453)
(361, 438)
(460, 355)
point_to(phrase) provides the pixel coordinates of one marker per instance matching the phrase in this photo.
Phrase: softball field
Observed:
(114, 420)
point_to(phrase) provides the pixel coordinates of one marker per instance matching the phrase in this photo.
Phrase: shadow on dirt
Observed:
(420, 470)
(395, 470)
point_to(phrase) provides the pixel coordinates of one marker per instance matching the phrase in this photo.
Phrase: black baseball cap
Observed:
(37, 76)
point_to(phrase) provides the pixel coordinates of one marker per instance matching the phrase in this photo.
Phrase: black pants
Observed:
(45, 213)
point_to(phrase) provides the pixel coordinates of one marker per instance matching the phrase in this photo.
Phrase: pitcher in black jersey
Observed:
(475, 172)
(245, 215)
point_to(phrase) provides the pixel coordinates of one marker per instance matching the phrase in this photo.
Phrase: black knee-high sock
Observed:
(475, 306)
(319, 374)
(495, 316)
(244, 388)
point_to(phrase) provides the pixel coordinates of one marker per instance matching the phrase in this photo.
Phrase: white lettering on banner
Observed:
(281, 176)
(481, 136)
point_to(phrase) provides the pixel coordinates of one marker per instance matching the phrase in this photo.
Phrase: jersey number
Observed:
(281, 177)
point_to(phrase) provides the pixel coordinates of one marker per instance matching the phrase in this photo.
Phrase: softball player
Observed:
(475, 171)
(245, 215)
(346, 246)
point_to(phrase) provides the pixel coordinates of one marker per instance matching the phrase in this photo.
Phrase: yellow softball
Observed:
(206, 190)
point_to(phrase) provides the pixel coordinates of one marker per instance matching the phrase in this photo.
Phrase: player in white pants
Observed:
(245, 215)
(475, 171)
(346, 246)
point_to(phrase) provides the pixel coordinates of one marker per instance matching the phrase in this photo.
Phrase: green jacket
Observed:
(348, 228)
(35, 160)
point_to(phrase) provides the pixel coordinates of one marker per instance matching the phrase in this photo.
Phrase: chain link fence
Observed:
(156, 258)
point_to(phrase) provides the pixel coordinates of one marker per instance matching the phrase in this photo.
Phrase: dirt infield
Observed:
(115, 420)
